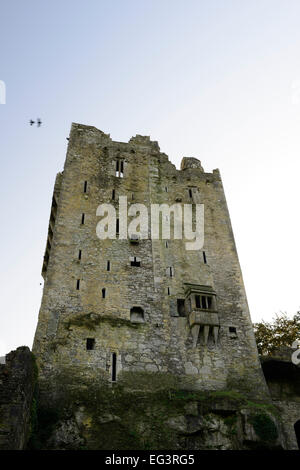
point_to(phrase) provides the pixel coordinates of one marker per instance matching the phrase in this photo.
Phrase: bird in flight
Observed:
(38, 121)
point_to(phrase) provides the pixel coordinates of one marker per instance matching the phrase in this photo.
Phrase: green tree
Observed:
(282, 331)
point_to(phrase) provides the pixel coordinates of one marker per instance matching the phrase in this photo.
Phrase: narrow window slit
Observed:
(78, 284)
(114, 367)
(79, 254)
(82, 219)
(85, 187)
(103, 293)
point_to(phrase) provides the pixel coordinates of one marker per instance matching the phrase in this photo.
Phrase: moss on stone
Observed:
(264, 427)
(92, 320)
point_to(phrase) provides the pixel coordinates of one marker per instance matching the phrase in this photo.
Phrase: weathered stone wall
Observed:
(129, 416)
(17, 383)
(164, 342)
(283, 379)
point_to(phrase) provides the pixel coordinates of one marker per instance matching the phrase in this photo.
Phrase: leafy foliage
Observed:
(264, 427)
(282, 331)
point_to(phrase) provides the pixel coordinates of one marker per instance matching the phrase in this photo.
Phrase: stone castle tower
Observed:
(117, 306)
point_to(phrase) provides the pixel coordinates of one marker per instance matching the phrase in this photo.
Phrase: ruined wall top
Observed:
(93, 135)
(188, 162)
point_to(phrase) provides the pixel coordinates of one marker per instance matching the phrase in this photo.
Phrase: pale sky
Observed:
(218, 80)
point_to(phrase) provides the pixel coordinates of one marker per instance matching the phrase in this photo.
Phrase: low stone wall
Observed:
(17, 383)
(283, 379)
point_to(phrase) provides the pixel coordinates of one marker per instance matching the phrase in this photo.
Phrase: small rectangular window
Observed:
(79, 254)
(190, 193)
(181, 307)
(171, 271)
(204, 257)
(168, 290)
(78, 284)
(113, 194)
(135, 262)
(90, 344)
(120, 168)
(108, 266)
(117, 226)
(85, 187)
(103, 293)
(82, 219)
(232, 332)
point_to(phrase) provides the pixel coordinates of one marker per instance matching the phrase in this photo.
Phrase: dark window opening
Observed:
(120, 168)
(113, 194)
(190, 193)
(79, 254)
(103, 293)
(78, 284)
(137, 315)
(181, 307)
(168, 290)
(108, 266)
(297, 432)
(167, 244)
(135, 262)
(90, 344)
(171, 272)
(85, 187)
(114, 367)
(232, 329)
(82, 219)
(204, 302)
(117, 226)
(166, 189)
(204, 257)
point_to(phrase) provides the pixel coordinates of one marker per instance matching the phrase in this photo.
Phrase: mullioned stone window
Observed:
(120, 168)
